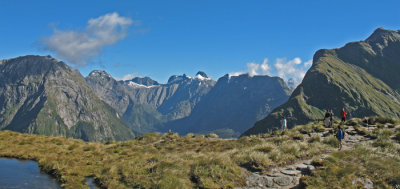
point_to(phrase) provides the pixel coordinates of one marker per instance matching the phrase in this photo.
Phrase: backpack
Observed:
(340, 134)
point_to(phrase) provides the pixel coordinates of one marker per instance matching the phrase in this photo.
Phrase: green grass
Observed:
(342, 167)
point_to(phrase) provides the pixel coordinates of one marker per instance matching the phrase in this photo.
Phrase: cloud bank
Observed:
(126, 77)
(79, 47)
(294, 69)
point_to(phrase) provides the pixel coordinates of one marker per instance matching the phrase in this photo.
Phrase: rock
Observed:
(300, 166)
(283, 181)
(291, 172)
(367, 183)
(275, 174)
(259, 181)
(308, 162)
(310, 168)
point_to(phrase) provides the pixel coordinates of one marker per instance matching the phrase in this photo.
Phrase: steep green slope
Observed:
(44, 96)
(361, 77)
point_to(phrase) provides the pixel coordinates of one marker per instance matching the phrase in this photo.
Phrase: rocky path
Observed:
(289, 175)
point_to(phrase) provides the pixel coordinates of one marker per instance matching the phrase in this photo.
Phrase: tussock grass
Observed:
(159, 160)
(342, 167)
(193, 161)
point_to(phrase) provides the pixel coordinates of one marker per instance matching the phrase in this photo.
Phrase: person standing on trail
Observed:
(330, 118)
(284, 123)
(340, 136)
(344, 115)
(326, 118)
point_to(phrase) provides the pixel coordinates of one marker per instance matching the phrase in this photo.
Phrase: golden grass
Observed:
(157, 161)
(170, 161)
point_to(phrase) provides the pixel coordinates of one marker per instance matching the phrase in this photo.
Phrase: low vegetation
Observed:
(197, 161)
(377, 161)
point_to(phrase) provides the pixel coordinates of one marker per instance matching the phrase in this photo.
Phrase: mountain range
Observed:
(42, 95)
(362, 77)
(195, 104)
(233, 105)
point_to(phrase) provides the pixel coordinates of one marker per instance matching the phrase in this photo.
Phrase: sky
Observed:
(163, 38)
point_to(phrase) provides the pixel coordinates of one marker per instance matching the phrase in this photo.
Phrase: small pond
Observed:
(24, 174)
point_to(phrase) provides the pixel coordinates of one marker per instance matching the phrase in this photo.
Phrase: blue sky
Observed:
(163, 38)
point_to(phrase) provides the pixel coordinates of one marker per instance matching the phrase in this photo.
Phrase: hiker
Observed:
(343, 114)
(326, 118)
(340, 136)
(330, 118)
(284, 123)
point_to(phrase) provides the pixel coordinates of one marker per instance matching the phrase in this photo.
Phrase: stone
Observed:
(291, 172)
(367, 183)
(300, 166)
(310, 168)
(275, 174)
(255, 180)
(308, 162)
(283, 181)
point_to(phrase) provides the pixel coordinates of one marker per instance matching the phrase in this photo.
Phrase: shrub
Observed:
(386, 133)
(314, 138)
(215, 172)
(319, 128)
(291, 149)
(279, 140)
(353, 122)
(305, 129)
(362, 130)
(380, 119)
(253, 160)
(397, 137)
(331, 140)
(382, 143)
(296, 135)
(266, 148)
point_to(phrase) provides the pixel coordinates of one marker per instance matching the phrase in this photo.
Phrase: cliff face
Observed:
(175, 99)
(140, 117)
(44, 96)
(361, 77)
(233, 105)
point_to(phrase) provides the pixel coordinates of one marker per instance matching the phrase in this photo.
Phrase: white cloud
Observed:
(126, 77)
(294, 69)
(79, 47)
(257, 69)
(234, 74)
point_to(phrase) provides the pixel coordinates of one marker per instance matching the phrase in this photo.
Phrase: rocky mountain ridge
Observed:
(361, 77)
(42, 95)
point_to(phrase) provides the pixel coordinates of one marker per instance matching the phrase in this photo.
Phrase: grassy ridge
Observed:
(158, 161)
(197, 161)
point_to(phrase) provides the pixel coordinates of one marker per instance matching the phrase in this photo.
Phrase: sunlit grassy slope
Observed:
(196, 161)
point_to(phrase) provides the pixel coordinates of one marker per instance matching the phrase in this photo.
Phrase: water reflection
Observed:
(24, 174)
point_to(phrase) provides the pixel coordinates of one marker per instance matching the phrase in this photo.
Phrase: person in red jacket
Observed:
(344, 115)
